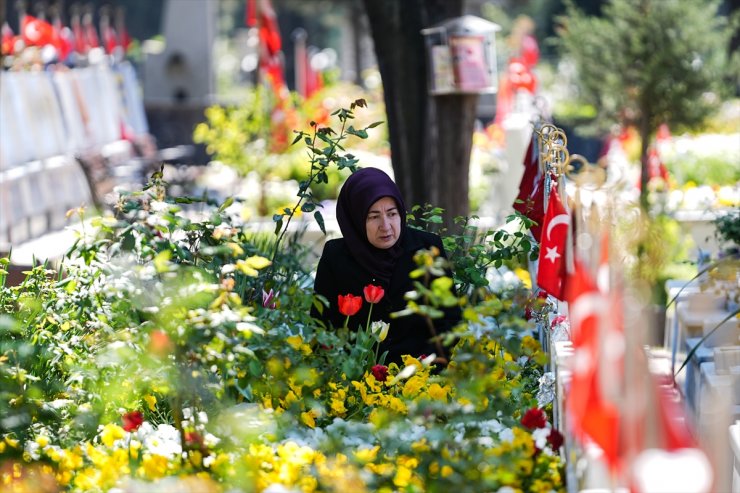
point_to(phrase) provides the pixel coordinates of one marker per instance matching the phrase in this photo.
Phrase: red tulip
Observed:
(349, 304)
(132, 420)
(373, 294)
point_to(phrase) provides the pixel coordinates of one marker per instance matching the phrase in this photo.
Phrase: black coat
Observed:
(339, 273)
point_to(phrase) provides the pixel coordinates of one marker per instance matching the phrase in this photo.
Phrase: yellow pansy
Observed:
(437, 392)
(309, 418)
(367, 454)
(337, 406)
(111, 433)
(412, 386)
(151, 401)
(294, 341)
(154, 466)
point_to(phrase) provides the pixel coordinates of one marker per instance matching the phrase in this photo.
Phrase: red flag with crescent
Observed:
(36, 32)
(591, 414)
(8, 40)
(553, 243)
(529, 178)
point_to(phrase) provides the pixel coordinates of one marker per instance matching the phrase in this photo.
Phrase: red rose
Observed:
(555, 439)
(132, 420)
(373, 294)
(349, 304)
(534, 418)
(380, 372)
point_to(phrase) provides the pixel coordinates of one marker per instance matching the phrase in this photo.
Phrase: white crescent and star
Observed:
(559, 219)
(552, 254)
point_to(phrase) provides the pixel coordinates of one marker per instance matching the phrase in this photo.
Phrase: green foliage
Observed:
(648, 62)
(713, 170)
(473, 252)
(727, 230)
(323, 153)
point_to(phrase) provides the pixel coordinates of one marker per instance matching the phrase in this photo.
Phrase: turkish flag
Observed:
(88, 30)
(8, 40)
(36, 32)
(553, 243)
(530, 176)
(270, 47)
(269, 30)
(78, 33)
(110, 39)
(250, 13)
(591, 414)
(531, 198)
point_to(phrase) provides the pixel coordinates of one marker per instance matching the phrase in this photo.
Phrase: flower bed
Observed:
(178, 354)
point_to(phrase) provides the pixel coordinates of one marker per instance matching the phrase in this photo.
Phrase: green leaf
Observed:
(226, 204)
(162, 261)
(358, 133)
(320, 220)
(308, 207)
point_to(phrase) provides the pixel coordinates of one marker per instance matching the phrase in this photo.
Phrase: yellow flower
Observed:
(413, 385)
(290, 398)
(309, 418)
(251, 265)
(524, 276)
(420, 446)
(154, 466)
(367, 454)
(196, 457)
(42, 440)
(337, 406)
(151, 401)
(437, 392)
(236, 249)
(530, 343)
(295, 341)
(404, 471)
(111, 433)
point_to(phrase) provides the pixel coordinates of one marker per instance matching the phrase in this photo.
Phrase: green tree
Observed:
(648, 62)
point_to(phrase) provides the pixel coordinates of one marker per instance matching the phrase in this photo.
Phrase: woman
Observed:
(377, 248)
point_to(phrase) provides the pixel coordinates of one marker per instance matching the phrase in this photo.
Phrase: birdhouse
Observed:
(461, 55)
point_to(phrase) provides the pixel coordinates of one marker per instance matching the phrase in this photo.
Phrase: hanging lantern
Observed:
(461, 54)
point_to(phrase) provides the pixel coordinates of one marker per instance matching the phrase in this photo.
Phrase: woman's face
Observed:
(383, 223)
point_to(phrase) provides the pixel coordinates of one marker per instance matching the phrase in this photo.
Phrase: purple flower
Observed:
(268, 299)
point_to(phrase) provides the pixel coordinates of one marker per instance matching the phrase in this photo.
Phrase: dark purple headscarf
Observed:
(362, 189)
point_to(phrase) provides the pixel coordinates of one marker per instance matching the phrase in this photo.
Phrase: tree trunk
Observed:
(448, 158)
(430, 137)
(644, 164)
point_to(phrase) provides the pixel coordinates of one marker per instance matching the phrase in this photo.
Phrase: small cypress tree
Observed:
(648, 62)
